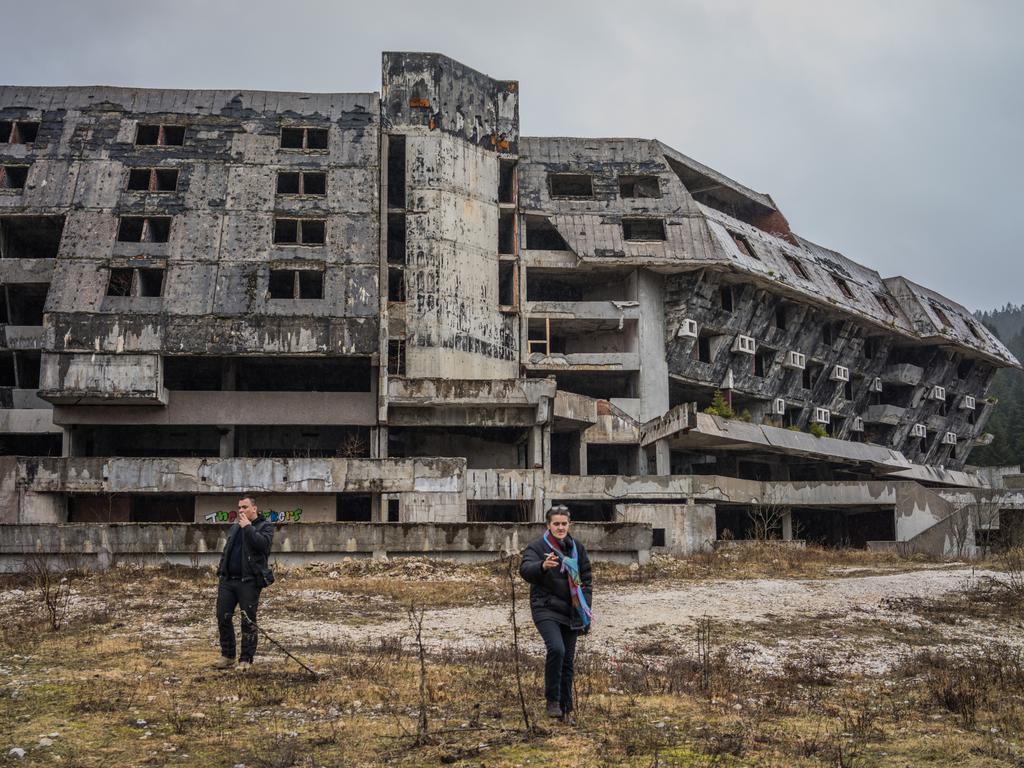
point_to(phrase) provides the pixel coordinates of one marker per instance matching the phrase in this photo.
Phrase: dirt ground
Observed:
(760, 657)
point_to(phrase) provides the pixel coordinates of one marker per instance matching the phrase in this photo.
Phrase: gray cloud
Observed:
(888, 131)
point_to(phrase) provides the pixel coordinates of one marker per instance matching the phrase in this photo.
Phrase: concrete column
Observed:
(227, 442)
(642, 463)
(379, 442)
(787, 525)
(535, 448)
(651, 330)
(662, 458)
(546, 449)
(243, 441)
(375, 509)
(578, 455)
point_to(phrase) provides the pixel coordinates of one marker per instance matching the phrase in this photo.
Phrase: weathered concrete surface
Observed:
(688, 528)
(153, 542)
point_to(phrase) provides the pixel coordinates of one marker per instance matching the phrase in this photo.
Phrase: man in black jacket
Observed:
(558, 570)
(243, 572)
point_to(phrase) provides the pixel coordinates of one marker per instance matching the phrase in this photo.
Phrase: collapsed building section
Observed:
(393, 308)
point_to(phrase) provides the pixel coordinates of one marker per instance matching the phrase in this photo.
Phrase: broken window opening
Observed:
(763, 360)
(811, 374)
(703, 347)
(30, 237)
(394, 510)
(964, 369)
(301, 183)
(780, 317)
(744, 245)
(296, 284)
(843, 286)
(8, 370)
(884, 303)
(396, 238)
(26, 303)
(507, 233)
(299, 231)
(152, 180)
(28, 363)
(144, 229)
(13, 176)
(541, 235)
(497, 512)
(848, 390)
(396, 171)
(870, 348)
(148, 134)
(396, 284)
(304, 138)
(506, 181)
(725, 298)
(946, 325)
(353, 507)
(396, 357)
(643, 229)
(18, 132)
(507, 284)
(570, 185)
(797, 267)
(136, 281)
(639, 187)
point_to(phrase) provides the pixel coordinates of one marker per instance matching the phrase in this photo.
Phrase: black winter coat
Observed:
(550, 597)
(256, 541)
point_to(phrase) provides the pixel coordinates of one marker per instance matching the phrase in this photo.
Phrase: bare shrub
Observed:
(54, 585)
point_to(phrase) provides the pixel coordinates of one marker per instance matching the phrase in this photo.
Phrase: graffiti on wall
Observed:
(273, 515)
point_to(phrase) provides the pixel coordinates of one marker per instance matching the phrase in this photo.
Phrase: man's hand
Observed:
(243, 521)
(551, 561)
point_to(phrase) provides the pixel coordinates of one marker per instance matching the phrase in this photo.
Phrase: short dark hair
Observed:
(558, 509)
(250, 497)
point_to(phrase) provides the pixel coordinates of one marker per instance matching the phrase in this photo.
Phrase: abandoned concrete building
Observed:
(392, 308)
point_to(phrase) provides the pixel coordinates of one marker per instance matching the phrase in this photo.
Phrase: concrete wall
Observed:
(689, 528)
(102, 544)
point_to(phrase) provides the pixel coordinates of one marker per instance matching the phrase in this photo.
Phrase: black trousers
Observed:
(560, 642)
(232, 593)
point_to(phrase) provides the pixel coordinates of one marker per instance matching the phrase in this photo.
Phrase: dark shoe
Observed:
(554, 709)
(224, 663)
(569, 720)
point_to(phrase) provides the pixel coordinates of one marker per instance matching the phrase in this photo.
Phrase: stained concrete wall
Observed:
(688, 528)
(101, 545)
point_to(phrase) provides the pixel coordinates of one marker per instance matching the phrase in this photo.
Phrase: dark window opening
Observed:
(396, 171)
(28, 363)
(507, 283)
(848, 390)
(299, 231)
(780, 317)
(394, 510)
(143, 229)
(744, 245)
(797, 268)
(637, 187)
(301, 183)
(964, 369)
(884, 303)
(844, 287)
(8, 370)
(704, 348)
(14, 444)
(296, 284)
(153, 179)
(396, 357)
(120, 283)
(870, 348)
(763, 361)
(657, 537)
(160, 135)
(725, 297)
(195, 374)
(353, 507)
(811, 373)
(18, 132)
(321, 374)
(30, 237)
(396, 284)
(506, 181)
(571, 185)
(304, 138)
(13, 176)
(611, 459)
(541, 235)
(150, 282)
(830, 333)
(940, 314)
(497, 512)
(643, 229)
(396, 238)
(126, 508)
(26, 302)
(507, 233)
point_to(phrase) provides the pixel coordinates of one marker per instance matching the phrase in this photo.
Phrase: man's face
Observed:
(559, 526)
(247, 508)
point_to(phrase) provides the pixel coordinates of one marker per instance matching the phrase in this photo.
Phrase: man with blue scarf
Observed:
(558, 569)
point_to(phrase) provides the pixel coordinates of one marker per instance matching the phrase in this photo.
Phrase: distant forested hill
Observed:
(1007, 422)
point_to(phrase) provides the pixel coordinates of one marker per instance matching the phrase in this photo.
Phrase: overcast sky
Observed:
(890, 131)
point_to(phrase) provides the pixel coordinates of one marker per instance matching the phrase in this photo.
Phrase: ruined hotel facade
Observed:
(392, 308)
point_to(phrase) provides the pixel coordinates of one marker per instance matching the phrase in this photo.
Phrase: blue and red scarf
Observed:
(570, 566)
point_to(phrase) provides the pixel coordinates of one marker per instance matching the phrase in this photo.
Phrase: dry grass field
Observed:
(755, 656)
